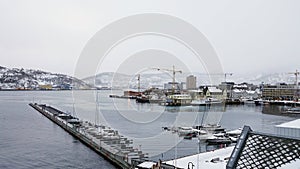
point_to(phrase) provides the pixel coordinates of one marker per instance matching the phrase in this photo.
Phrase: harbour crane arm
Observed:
(174, 71)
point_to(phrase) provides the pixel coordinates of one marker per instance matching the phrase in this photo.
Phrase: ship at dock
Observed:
(187, 93)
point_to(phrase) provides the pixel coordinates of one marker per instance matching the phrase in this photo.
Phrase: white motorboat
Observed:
(218, 140)
(235, 132)
(293, 110)
(182, 131)
(204, 102)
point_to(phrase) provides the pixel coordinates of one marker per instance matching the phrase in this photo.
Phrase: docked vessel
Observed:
(142, 99)
(218, 140)
(204, 102)
(293, 110)
(178, 100)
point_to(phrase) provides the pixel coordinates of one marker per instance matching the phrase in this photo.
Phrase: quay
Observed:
(102, 139)
(284, 102)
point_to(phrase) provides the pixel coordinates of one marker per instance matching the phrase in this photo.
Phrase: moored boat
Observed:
(293, 110)
(218, 140)
(178, 100)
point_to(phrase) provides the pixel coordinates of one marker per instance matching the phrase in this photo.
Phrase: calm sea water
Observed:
(29, 140)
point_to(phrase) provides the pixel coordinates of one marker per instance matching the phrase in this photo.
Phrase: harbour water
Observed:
(29, 140)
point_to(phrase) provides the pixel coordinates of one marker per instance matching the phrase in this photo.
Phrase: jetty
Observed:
(102, 139)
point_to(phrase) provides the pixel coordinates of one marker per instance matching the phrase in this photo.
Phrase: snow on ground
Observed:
(213, 159)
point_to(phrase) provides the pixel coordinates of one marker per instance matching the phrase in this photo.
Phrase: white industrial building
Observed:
(289, 129)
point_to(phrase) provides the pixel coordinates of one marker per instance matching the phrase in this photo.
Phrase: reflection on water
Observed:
(141, 122)
(278, 110)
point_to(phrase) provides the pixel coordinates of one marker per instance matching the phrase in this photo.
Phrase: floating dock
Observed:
(102, 139)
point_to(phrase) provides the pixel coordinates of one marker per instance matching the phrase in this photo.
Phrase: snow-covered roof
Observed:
(214, 90)
(146, 164)
(292, 164)
(240, 86)
(291, 124)
(250, 91)
(195, 90)
(204, 160)
(237, 91)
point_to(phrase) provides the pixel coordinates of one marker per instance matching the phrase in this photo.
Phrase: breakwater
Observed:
(102, 139)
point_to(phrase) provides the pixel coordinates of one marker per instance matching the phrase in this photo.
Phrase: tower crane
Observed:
(219, 74)
(174, 71)
(296, 80)
(227, 74)
(296, 76)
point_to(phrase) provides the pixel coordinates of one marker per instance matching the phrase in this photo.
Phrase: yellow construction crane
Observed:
(174, 71)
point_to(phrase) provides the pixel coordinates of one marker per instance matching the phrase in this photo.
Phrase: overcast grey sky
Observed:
(249, 36)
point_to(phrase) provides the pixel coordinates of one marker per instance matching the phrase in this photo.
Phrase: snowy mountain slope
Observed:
(118, 80)
(16, 78)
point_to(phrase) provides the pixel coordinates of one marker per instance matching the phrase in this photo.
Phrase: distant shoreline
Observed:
(40, 90)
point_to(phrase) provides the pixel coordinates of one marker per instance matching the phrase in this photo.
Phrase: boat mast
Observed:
(97, 109)
(173, 84)
(139, 82)
(296, 74)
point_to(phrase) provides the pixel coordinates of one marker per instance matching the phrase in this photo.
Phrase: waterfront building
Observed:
(280, 91)
(45, 87)
(241, 93)
(191, 82)
(213, 92)
(196, 94)
(289, 129)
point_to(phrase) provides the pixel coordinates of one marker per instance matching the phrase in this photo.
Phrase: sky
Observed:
(252, 36)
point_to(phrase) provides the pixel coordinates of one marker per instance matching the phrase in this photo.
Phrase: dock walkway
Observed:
(102, 139)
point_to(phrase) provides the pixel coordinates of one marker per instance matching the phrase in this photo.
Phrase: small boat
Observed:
(259, 102)
(233, 102)
(218, 140)
(248, 101)
(234, 139)
(74, 121)
(234, 132)
(205, 102)
(198, 103)
(204, 137)
(212, 128)
(293, 110)
(184, 131)
(188, 137)
(142, 99)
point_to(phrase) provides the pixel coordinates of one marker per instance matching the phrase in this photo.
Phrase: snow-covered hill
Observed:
(16, 78)
(118, 80)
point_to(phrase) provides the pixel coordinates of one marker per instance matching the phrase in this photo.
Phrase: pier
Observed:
(102, 139)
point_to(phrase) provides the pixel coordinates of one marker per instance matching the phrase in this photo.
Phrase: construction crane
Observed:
(297, 84)
(296, 76)
(219, 74)
(174, 71)
(227, 74)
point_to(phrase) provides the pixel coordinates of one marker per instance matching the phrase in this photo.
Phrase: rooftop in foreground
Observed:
(253, 150)
(212, 159)
(291, 124)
